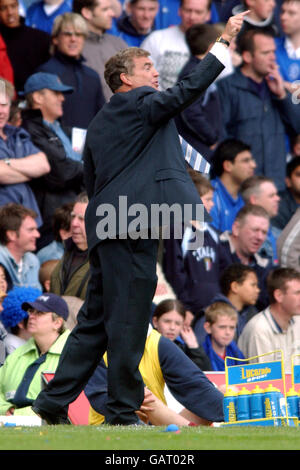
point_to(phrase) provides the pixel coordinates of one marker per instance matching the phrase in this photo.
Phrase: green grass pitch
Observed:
(114, 438)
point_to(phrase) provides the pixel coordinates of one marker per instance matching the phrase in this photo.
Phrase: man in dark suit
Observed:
(132, 149)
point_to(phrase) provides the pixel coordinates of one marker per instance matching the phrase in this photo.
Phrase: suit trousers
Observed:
(114, 318)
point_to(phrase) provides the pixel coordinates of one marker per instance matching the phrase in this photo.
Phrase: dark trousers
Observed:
(114, 318)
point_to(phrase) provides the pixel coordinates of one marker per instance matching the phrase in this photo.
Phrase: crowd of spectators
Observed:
(238, 292)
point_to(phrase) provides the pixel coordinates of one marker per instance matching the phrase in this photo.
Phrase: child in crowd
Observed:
(220, 325)
(45, 272)
(239, 285)
(239, 289)
(168, 320)
(14, 318)
(194, 273)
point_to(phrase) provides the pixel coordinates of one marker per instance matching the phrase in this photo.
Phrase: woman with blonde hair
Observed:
(68, 37)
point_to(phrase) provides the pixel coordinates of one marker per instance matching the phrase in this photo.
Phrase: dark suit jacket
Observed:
(132, 149)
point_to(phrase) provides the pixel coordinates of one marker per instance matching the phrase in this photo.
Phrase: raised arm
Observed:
(159, 106)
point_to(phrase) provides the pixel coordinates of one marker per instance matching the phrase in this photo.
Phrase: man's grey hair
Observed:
(122, 62)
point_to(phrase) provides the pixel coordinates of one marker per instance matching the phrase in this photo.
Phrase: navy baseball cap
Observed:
(39, 81)
(49, 303)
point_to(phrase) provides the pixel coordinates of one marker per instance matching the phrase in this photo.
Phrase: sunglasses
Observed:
(69, 34)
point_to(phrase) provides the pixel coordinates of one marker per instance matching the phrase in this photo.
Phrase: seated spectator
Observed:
(27, 48)
(74, 303)
(61, 222)
(163, 363)
(287, 46)
(262, 191)
(194, 273)
(168, 319)
(290, 196)
(242, 245)
(45, 95)
(20, 161)
(68, 36)
(20, 375)
(41, 14)
(288, 246)
(3, 293)
(45, 272)
(278, 326)
(137, 22)
(220, 326)
(14, 318)
(239, 288)
(200, 124)
(99, 45)
(70, 276)
(18, 235)
(232, 163)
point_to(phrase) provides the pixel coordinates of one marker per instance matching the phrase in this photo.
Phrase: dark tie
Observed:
(20, 399)
(194, 158)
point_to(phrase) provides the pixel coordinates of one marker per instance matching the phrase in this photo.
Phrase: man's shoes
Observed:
(134, 423)
(140, 423)
(50, 418)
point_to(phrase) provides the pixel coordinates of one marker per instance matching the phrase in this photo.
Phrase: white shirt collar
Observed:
(291, 51)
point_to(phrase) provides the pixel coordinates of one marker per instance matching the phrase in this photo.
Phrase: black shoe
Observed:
(50, 418)
(133, 423)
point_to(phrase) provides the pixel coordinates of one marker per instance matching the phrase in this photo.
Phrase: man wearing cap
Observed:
(20, 375)
(44, 94)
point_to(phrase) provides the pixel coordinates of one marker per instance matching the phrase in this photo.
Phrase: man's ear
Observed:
(154, 321)
(58, 322)
(235, 228)
(37, 97)
(247, 57)
(233, 286)
(278, 295)
(253, 199)
(54, 40)
(11, 235)
(227, 166)
(125, 78)
(207, 327)
(287, 182)
(86, 13)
